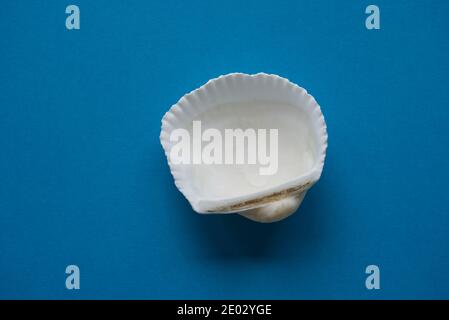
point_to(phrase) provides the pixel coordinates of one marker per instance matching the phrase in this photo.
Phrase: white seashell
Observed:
(259, 101)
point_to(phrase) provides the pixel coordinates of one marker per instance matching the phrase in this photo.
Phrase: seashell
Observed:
(264, 103)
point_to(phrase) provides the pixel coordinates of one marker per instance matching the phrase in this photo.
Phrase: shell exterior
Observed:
(259, 100)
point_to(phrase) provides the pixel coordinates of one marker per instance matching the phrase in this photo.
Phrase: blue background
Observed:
(83, 178)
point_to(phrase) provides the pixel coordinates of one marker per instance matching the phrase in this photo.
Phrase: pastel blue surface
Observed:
(83, 178)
